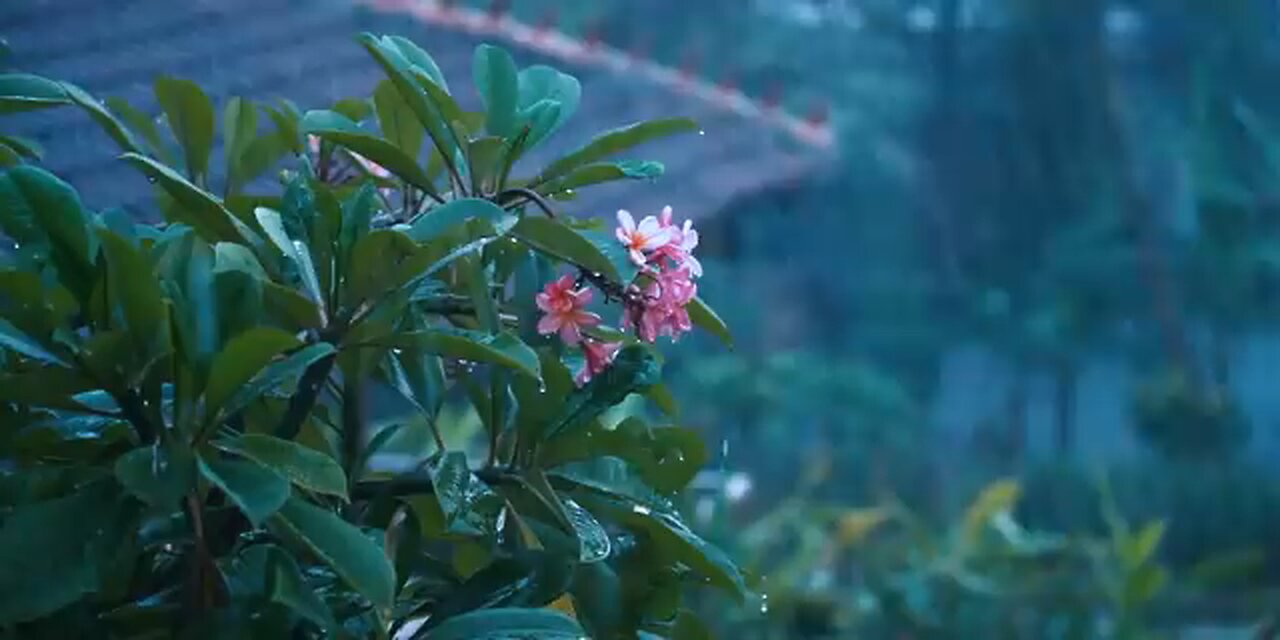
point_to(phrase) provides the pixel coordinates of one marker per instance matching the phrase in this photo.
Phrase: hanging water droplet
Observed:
(542, 387)
(17, 245)
(151, 179)
(568, 192)
(764, 603)
(701, 132)
(397, 351)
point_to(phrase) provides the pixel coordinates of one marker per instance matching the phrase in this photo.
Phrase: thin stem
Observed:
(530, 196)
(352, 423)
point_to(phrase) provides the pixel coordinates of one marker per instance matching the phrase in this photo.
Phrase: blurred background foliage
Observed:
(1047, 252)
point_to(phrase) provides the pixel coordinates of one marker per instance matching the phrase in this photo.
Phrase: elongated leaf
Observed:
(1139, 547)
(438, 220)
(418, 58)
(288, 587)
(258, 491)
(190, 115)
(705, 317)
(23, 92)
(141, 123)
(618, 140)
(396, 120)
(502, 624)
(52, 387)
(15, 340)
(196, 208)
(352, 555)
(336, 128)
(48, 207)
(995, 498)
(306, 467)
(599, 173)
(275, 374)
(109, 124)
(273, 225)
(398, 68)
(502, 349)
(239, 130)
(450, 481)
(25, 147)
(134, 285)
(564, 243)
(496, 78)
(243, 357)
(383, 260)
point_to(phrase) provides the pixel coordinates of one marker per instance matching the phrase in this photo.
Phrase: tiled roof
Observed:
(304, 50)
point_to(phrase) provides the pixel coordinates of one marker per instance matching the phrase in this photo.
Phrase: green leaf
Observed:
(594, 544)
(399, 68)
(287, 586)
(196, 208)
(113, 127)
(14, 339)
(239, 130)
(142, 123)
(23, 92)
(997, 497)
(353, 556)
(502, 349)
(336, 128)
(1142, 585)
(396, 119)
(51, 387)
(438, 220)
(304, 466)
(273, 225)
(46, 553)
(133, 284)
(599, 173)
(157, 474)
(450, 481)
(634, 369)
(559, 241)
(24, 147)
(417, 58)
(243, 357)
(191, 119)
(675, 537)
(1137, 548)
(705, 317)
(611, 142)
(275, 374)
(258, 491)
(503, 624)
(547, 99)
(495, 75)
(381, 261)
(54, 208)
(666, 458)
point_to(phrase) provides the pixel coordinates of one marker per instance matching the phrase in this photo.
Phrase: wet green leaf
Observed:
(352, 555)
(304, 466)
(190, 115)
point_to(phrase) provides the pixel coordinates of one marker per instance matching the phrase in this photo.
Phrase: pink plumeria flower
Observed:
(679, 248)
(662, 311)
(565, 309)
(375, 169)
(648, 236)
(598, 356)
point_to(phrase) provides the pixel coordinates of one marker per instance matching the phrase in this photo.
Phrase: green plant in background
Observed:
(886, 571)
(184, 432)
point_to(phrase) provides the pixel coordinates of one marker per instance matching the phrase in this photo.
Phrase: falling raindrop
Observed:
(701, 132)
(764, 603)
(724, 448)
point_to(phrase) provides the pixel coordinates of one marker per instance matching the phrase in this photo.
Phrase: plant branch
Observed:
(530, 196)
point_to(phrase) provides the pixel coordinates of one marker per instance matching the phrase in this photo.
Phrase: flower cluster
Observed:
(664, 251)
(654, 303)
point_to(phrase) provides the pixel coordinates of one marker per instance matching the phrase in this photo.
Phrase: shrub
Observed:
(184, 442)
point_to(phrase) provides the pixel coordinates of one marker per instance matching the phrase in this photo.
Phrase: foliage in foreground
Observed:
(184, 449)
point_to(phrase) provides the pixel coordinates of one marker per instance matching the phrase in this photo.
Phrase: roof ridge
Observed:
(813, 130)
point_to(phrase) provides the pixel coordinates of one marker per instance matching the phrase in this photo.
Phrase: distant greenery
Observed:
(184, 424)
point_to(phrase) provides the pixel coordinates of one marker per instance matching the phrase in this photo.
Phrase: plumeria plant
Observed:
(184, 440)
